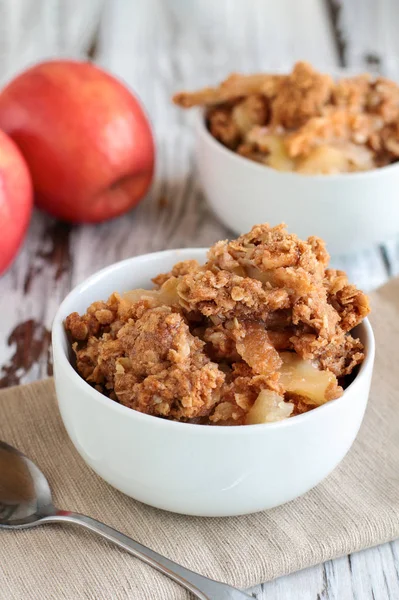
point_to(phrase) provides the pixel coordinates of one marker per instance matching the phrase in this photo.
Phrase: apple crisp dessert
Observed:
(305, 121)
(259, 333)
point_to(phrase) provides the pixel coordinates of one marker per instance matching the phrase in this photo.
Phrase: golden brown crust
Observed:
(223, 127)
(340, 354)
(205, 345)
(383, 99)
(220, 339)
(248, 113)
(266, 248)
(155, 366)
(351, 304)
(256, 350)
(181, 268)
(352, 93)
(304, 121)
(290, 273)
(300, 96)
(235, 86)
(333, 127)
(227, 295)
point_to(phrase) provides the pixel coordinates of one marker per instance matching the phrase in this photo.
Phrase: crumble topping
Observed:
(259, 333)
(304, 121)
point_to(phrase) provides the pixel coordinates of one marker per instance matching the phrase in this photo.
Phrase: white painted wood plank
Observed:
(370, 29)
(338, 584)
(304, 585)
(366, 269)
(392, 252)
(368, 575)
(395, 554)
(31, 292)
(374, 574)
(31, 30)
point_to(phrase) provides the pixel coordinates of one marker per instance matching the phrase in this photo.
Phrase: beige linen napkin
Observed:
(356, 507)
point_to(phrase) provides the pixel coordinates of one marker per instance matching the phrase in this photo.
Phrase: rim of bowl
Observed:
(64, 363)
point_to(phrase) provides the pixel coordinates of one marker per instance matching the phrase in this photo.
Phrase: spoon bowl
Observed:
(25, 495)
(26, 501)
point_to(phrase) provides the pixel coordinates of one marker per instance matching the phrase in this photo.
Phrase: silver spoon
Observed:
(25, 501)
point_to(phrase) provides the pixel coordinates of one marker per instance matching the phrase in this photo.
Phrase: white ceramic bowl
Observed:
(350, 211)
(197, 469)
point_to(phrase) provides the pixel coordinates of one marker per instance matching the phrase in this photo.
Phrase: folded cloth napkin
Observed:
(356, 507)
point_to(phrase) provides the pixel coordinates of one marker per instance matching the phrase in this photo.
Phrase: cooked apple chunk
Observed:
(301, 377)
(166, 295)
(268, 408)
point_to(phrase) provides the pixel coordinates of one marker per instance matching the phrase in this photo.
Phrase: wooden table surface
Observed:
(159, 47)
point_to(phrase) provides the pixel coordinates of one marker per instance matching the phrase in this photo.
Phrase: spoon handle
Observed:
(202, 587)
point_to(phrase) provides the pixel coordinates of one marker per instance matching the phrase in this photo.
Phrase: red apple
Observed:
(16, 199)
(85, 137)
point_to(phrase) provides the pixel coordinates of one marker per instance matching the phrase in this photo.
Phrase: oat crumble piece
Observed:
(351, 304)
(301, 95)
(227, 295)
(335, 126)
(223, 127)
(352, 93)
(168, 373)
(181, 268)
(248, 113)
(383, 99)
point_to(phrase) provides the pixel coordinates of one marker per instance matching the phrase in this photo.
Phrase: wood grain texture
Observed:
(369, 32)
(31, 30)
(158, 47)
